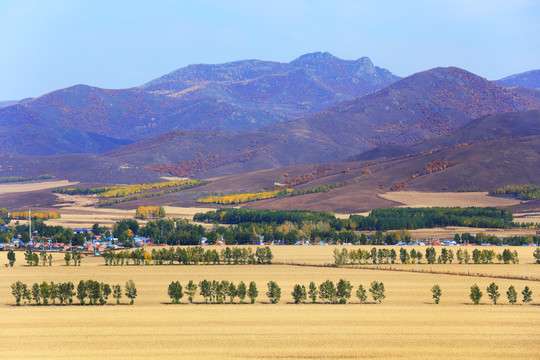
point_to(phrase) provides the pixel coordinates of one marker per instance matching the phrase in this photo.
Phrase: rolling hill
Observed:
(416, 108)
(489, 127)
(530, 79)
(239, 96)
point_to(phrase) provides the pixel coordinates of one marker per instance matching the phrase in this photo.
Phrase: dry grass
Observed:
(81, 216)
(27, 187)
(407, 325)
(446, 199)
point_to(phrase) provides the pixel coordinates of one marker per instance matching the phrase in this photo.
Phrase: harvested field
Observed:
(407, 325)
(447, 199)
(35, 186)
(79, 216)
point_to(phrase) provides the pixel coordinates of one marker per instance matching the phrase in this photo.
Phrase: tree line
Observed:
(214, 292)
(118, 194)
(281, 192)
(10, 179)
(220, 292)
(493, 292)
(195, 255)
(23, 215)
(96, 292)
(525, 192)
(390, 256)
(150, 212)
(378, 219)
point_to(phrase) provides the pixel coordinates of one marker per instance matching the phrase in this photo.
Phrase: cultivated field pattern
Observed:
(407, 325)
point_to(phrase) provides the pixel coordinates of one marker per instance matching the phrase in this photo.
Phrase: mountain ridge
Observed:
(237, 96)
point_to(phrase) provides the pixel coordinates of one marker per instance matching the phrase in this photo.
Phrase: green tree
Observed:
(476, 294)
(11, 257)
(81, 291)
(175, 292)
(377, 291)
(94, 291)
(436, 293)
(105, 292)
(205, 290)
(327, 292)
(241, 291)
(17, 290)
(493, 292)
(527, 295)
(28, 257)
(252, 291)
(431, 255)
(66, 293)
(45, 292)
(403, 255)
(191, 290)
(512, 295)
(536, 255)
(117, 293)
(343, 291)
(274, 292)
(67, 258)
(361, 294)
(231, 291)
(131, 291)
(43, 256)
(312, 292)
(36, 293)
(476, 256)
(374, 255)
(54, 292)
(299, 294)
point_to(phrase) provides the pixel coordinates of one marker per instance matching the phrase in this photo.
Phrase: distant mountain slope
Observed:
(489, 127)
(419, 107)
(7, 102)
(483, 166)
(530, 79)
(238, 96)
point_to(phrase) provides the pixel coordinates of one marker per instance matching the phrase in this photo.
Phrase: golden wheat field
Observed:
(85, 216)
(407, 325)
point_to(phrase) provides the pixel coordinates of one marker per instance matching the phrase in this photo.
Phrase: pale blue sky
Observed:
(51, 44)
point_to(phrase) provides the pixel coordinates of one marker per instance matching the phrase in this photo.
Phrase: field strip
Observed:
(422, 271)
(446, 199)
(21, 188)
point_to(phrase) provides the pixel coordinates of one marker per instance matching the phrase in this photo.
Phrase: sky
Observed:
(51, 44)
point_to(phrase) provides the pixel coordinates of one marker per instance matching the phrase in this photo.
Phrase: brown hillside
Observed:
(419, 107)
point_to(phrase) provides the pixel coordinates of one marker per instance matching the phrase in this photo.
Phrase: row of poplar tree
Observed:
(390, 256)
(219, 292)
(47, 293)
(193, 255)
(492, 291)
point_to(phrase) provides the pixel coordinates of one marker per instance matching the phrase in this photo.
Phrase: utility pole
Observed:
(29, 225)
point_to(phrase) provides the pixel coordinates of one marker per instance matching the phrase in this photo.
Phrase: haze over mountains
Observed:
(214, 120)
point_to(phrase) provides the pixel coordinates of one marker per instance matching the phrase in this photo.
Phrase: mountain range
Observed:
(252, 115)
(238, 96)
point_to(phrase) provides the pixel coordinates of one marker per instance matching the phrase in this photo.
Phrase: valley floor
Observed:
(407, 325)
